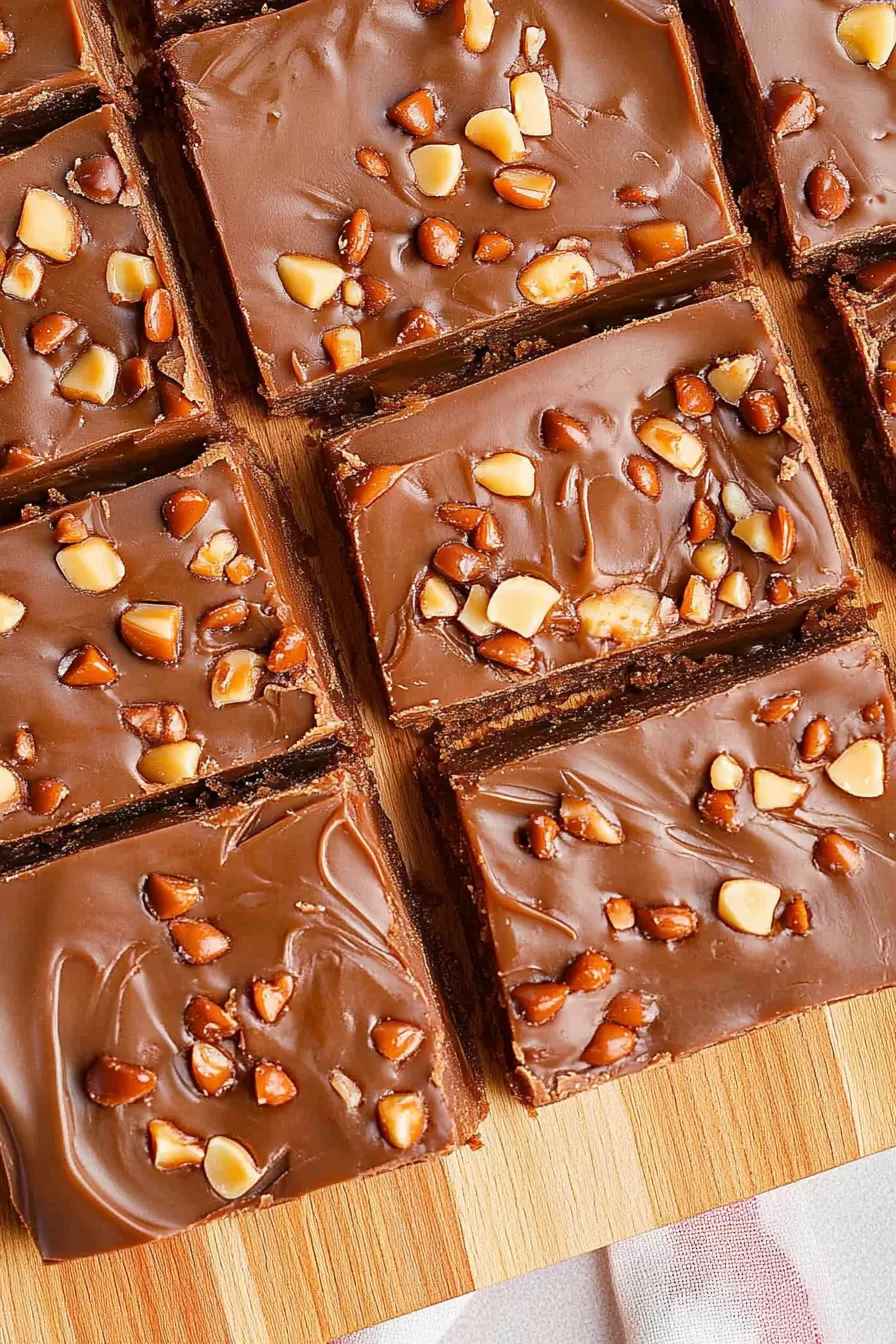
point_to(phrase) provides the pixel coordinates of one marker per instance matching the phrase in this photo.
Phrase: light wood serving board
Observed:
(784, 1103)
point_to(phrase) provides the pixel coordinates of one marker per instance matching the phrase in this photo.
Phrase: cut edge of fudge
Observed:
(454, 770)
(432, 366)
(336, 726)
(456, 1072)
(102, 77)
(537, 697)
(739, 101)
(167, 442)
(188, 15)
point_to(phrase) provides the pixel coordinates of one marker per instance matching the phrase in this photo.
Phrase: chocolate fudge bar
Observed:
(151, 637)
(866, 303)
(819, 97)
(56, 58)
(653, 486)
(235, 1011)
(459, 166)
(652, 888)
(97, 352)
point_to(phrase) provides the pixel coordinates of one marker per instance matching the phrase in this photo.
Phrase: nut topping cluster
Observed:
(52, 232)
(219, 1061)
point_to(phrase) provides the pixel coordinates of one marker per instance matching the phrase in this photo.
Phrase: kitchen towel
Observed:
(814, 1263)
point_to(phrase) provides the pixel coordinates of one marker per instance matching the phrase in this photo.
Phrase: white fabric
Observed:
(814, 1263)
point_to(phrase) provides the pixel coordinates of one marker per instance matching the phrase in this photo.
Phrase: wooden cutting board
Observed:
(782, 1104)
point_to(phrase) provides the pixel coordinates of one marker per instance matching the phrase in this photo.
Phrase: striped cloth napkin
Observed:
(814, 1263)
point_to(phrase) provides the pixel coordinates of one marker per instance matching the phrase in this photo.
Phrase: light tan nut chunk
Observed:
(235, 677)
(346, 1088)
(213, 555)
(479, 25)
(629, 614)
(497, 131)
(867, 33)
(270, 997)
(11, 613)
(726, 773)
(533, 42)
(735, 591)
(211, 1067)
(402, 1118)
(526, 188)
(309, 281)
(774, 793)
(585, 821)
(860, 769)
(23, 277)
(437, 168)
(92, 378)
(438, 600)
(748, 905)
(131, 276)
(92, 565)
(711, 560)
(10, 789)
(230, 1168)
(6, 370)
(735, 502)
(152, 630)
(673, 443)
(530, 104)
(758, 531)
(171, 1148)
(171, 763)
(474, 616)
(48, 225)
(521, 604)
(511, 475)
(696, 605)
(556, 277)
(731, 378)
(343, 346)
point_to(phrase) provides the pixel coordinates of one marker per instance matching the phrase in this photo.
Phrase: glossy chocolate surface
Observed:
(627, 111)
(79, 735)
(586, 529)
(542, 913)
(298, 884)
(799, 42)
(36, 421)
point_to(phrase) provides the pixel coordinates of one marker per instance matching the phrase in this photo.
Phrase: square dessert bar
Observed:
(818, 93)
(866, 303)
(240, 1013)
(97, 352)
(655, 485)
(150, 637)
(660, 886)
(56, 58)
(461, 165)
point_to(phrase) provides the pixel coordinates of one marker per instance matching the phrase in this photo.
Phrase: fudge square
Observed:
(867, 307)
(97, 354)
(658, 887)
(56, 57)
(651, 486)
(242, 1013)
(821, 96)
(151, 637)
(373, 189)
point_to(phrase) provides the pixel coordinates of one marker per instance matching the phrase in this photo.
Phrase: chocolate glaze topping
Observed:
(277, 108)
(647, 778)
(586, 529)
(299, 884)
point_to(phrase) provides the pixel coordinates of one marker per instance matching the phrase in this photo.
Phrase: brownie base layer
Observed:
(183, 16)
(868, 322)
(465, 773)
(323, 1013)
